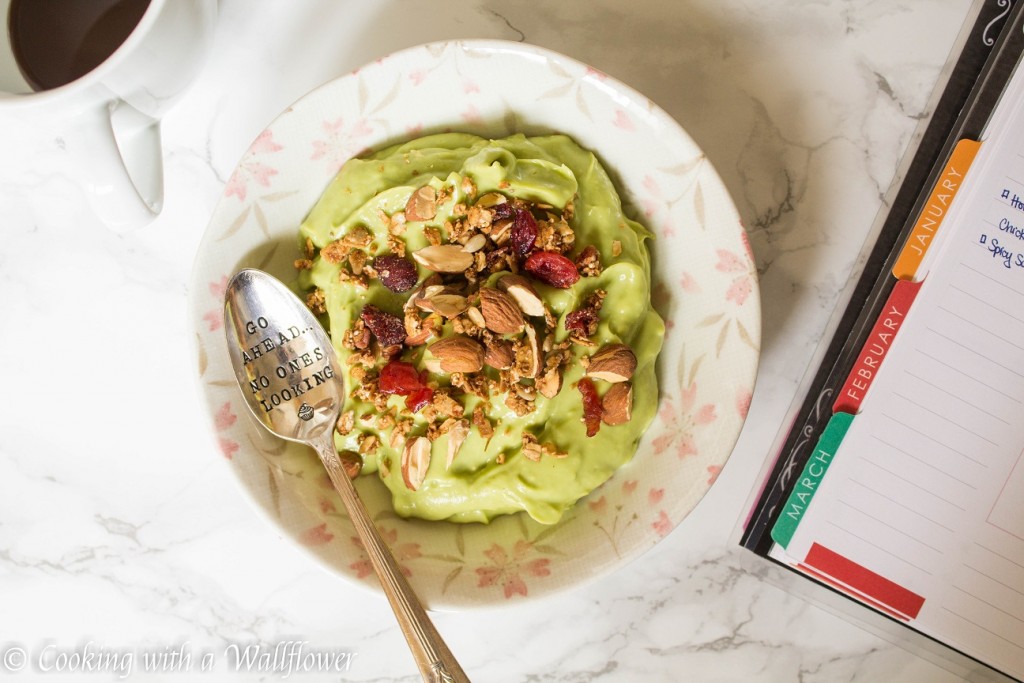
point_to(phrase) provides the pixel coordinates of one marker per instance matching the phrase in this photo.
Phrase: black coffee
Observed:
(57, 41)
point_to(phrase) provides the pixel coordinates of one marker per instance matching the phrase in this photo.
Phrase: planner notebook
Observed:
(907, 489)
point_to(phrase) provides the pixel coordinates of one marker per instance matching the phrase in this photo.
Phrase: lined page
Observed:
(926, 491)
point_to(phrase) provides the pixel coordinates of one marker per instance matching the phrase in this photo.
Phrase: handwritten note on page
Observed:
(921, 511)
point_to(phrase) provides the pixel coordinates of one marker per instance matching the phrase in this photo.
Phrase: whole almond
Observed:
(617, 404)
(520, 289)
(501, 312)
(422, 205)
(613, 363)
(458, 354)
(499, 354)
(415, 461)
(444, 258)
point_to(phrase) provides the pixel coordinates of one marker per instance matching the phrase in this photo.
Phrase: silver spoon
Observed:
(288, 373)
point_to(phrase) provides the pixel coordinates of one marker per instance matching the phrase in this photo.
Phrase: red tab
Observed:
(862, 579)
(876, 347)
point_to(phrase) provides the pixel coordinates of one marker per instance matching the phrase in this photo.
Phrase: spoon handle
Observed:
(435, 661)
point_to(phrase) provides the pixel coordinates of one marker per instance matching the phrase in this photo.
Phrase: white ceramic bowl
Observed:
(705, 286)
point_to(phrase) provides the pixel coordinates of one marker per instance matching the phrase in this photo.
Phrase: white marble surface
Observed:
(119, 522)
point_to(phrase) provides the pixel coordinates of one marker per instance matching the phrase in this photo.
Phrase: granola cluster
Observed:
(475, 329)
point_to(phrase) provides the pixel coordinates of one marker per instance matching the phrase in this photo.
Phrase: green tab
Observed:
(807, 484)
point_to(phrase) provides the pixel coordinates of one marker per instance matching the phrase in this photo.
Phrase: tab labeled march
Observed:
(811, 478)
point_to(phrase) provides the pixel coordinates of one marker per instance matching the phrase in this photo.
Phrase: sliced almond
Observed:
(433, 365)
(536, 356)
(458, 354)
(617, 404)
(456, 435)
(501, 312)
(499, 354)
(422, 205)
(501, 231)
(491, 199)
(476, 316)
(527, 393)
(446, 305)
(475, 243)
(613, 363)
(415, 461)
(444, 258)
(520, 289)
(433, 281)
(550, 383)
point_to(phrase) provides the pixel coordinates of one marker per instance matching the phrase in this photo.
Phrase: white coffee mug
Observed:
(110, 117)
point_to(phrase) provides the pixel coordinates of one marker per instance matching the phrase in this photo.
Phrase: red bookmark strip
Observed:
(877, 587)
(842, 588)
(876, 347)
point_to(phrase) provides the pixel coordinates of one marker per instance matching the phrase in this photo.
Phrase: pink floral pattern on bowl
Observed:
(705, 286)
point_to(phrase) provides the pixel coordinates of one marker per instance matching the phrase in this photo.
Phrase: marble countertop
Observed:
(121, 526)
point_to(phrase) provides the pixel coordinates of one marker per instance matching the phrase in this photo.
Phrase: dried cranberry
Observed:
(419, 398)
(399, 377)
(395, 272)
(582, 321)
(500, 212)
(524, 232)
(387, 328)
(591, 406)
(552, 268)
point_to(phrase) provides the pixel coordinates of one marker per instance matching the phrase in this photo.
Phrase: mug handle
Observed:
(121, 160)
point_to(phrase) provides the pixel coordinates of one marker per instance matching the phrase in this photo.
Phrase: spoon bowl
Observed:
(285, 365)
(282, 357)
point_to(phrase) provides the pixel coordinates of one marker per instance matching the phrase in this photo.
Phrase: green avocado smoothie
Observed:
(490, 305)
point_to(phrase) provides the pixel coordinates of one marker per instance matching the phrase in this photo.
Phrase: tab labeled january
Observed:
(935, 209)
(811, 478)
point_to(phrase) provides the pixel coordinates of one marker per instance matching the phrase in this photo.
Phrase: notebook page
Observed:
(922, 507)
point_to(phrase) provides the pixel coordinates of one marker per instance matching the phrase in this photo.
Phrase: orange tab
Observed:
(935, 210)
